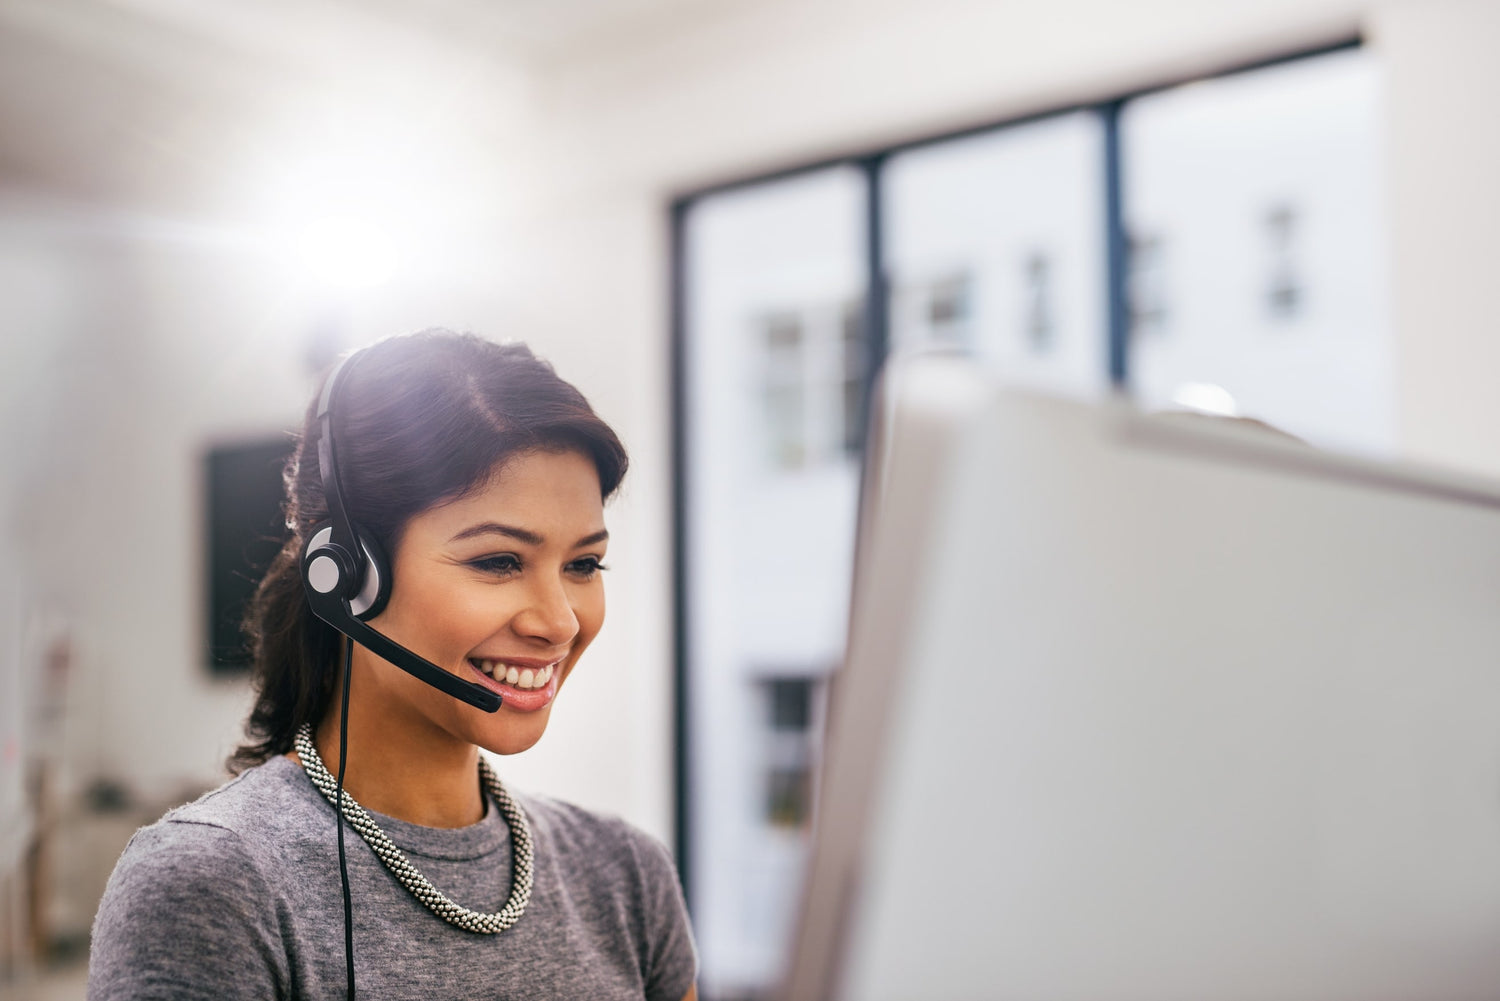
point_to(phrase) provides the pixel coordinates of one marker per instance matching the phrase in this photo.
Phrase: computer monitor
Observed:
(1144, 708)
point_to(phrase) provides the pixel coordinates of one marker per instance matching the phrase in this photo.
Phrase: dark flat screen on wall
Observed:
(245, 531)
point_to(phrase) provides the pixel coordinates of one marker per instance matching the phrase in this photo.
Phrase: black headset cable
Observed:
(339, 815)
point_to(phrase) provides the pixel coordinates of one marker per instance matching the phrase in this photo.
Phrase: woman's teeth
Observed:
(519, 677)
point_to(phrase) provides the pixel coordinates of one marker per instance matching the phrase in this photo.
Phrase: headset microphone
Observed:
(347, 578)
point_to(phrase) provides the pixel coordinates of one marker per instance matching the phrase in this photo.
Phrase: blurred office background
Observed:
(716, 217)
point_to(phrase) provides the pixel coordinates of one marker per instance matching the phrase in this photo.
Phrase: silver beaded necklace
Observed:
(395, 860)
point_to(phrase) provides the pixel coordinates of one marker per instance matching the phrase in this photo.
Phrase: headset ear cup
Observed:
(327, 569)
(376, 590)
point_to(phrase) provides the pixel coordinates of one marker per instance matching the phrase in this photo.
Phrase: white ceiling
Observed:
(137, 101)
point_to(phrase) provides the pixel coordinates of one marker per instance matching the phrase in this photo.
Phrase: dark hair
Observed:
(419, 420)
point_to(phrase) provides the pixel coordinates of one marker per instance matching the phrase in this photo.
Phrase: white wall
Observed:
(141, 354)
(1444, 149)
(163, 349)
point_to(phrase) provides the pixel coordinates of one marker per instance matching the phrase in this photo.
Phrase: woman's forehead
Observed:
(554, 495)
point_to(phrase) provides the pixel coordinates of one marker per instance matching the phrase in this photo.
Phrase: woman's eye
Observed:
(586, 567)
(502, 565)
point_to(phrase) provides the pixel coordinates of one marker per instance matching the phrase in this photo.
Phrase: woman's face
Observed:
(501, 587)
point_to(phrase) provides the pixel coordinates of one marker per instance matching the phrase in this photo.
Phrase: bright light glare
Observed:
(348, 218)
(346, 254)
(1206, 398)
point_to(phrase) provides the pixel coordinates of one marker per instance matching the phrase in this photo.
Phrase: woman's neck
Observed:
(432, 782)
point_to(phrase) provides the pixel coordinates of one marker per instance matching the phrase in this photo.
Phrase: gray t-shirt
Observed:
(237, 896)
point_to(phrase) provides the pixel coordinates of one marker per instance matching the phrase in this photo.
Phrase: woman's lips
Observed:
(495, 676)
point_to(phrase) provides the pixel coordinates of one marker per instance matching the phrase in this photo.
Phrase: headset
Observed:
(347, 577)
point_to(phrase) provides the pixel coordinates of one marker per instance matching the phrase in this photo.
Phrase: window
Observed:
(790, 739)
(996, 247)
(812, 385)
(774, 376)
(785, 390)
(1258, 266)
(1284, 291)
(1145, 290)
(1238, 268)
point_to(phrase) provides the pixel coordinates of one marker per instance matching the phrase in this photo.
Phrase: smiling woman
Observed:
(484, 476)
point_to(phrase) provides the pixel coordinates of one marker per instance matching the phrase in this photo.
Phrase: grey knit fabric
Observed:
(237, 896)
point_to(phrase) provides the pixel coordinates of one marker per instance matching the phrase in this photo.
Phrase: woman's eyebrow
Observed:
(522, 535)
(495, 528)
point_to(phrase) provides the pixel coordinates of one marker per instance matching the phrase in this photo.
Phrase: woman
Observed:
(483, 476)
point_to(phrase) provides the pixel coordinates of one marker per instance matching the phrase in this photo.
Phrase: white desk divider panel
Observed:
(1150, 708)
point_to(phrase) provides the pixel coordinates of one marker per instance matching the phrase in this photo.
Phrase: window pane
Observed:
(791, 703)
(775, 276)
(996, 247)
(1258, 249)
(788, 796)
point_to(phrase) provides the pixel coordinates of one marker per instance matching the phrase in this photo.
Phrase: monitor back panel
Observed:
(1137, 709)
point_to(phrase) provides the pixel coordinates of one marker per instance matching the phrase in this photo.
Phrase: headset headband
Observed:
(328, 469)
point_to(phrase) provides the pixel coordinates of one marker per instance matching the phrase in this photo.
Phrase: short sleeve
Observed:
(671, 959)
(185, 916)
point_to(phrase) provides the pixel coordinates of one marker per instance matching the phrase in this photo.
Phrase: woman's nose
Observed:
(548, 615)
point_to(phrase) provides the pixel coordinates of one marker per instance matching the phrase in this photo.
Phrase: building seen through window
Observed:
(813, 376)
(791, 708)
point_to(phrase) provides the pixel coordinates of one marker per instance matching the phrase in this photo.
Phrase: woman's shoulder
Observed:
(259, 812)
(578, 824)
(205, 880)
(237, 844)
(594, 837)
(627, 872)
(275, 790)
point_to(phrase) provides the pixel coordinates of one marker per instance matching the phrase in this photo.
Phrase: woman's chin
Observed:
(511, 736)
